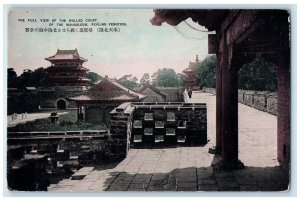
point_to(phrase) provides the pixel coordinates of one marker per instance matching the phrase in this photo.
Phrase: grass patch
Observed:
(66, 122)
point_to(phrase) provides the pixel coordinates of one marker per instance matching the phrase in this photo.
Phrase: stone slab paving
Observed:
(189, 168)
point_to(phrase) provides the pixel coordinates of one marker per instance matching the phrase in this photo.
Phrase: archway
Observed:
(61, 104)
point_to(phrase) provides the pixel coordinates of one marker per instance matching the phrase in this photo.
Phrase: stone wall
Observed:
(173, 94)
(62, 151)
(138, 124)
(262, 100)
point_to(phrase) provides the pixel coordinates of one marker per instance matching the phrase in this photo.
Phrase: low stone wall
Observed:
(262, 100)
(272, 103)
(60, 153)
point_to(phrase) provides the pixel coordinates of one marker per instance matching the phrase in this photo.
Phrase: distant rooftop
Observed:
(66, 55)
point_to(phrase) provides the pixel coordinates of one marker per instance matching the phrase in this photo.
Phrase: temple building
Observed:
(190, 80)
(153, 94)
(95, 104)
(65, 76)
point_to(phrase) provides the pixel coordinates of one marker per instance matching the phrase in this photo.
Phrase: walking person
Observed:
(190, 92)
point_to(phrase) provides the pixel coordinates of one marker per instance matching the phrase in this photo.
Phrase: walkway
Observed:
(189, 168)
(23, 118)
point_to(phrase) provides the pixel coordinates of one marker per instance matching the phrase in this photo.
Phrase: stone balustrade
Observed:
(262, 100)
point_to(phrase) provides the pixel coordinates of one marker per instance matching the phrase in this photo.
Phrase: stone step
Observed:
(80, 174)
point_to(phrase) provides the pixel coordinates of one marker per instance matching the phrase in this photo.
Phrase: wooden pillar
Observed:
(218, 147)
(229, 114)
(283, 109)
(229, 111)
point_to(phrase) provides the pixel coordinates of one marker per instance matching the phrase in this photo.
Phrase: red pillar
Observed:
(230, 110)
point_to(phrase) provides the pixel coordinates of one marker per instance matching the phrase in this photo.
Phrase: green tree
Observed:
(94, 77)
(25, 79)
(167, 77)
(206, 72)
(145, 80)
(38, 77)
(11, 78)
(180, 79)
(129, 81)
(154, 79)
(258, 75)
(31, 78)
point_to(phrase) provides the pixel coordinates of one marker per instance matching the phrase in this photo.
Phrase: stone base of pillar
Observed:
(215, 150)
(228, 165)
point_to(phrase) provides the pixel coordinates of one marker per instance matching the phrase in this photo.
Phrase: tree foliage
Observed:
(129, 81)
(31, 78)
(36, 78)
(94, 77)
(145, 80)
(11, 78)
(258, 75)
(206, 72)
(167, 77)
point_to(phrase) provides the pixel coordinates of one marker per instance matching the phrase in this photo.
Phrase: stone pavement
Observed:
(29, 117)
(189, 168)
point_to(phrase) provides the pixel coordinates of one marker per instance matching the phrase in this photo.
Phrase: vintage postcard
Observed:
(153, 99)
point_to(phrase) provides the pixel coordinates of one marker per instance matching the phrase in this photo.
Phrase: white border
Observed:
(163, 4)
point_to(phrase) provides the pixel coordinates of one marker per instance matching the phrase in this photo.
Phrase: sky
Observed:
(138, 48)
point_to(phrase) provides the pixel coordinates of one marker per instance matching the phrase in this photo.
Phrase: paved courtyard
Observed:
(189, 168)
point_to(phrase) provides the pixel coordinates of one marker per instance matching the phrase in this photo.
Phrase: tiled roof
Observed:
(104, 96)
(108, 90)
(153, 89)
(66, 55)
(118, 84)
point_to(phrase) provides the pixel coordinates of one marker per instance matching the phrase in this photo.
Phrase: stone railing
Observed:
(262, 100)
